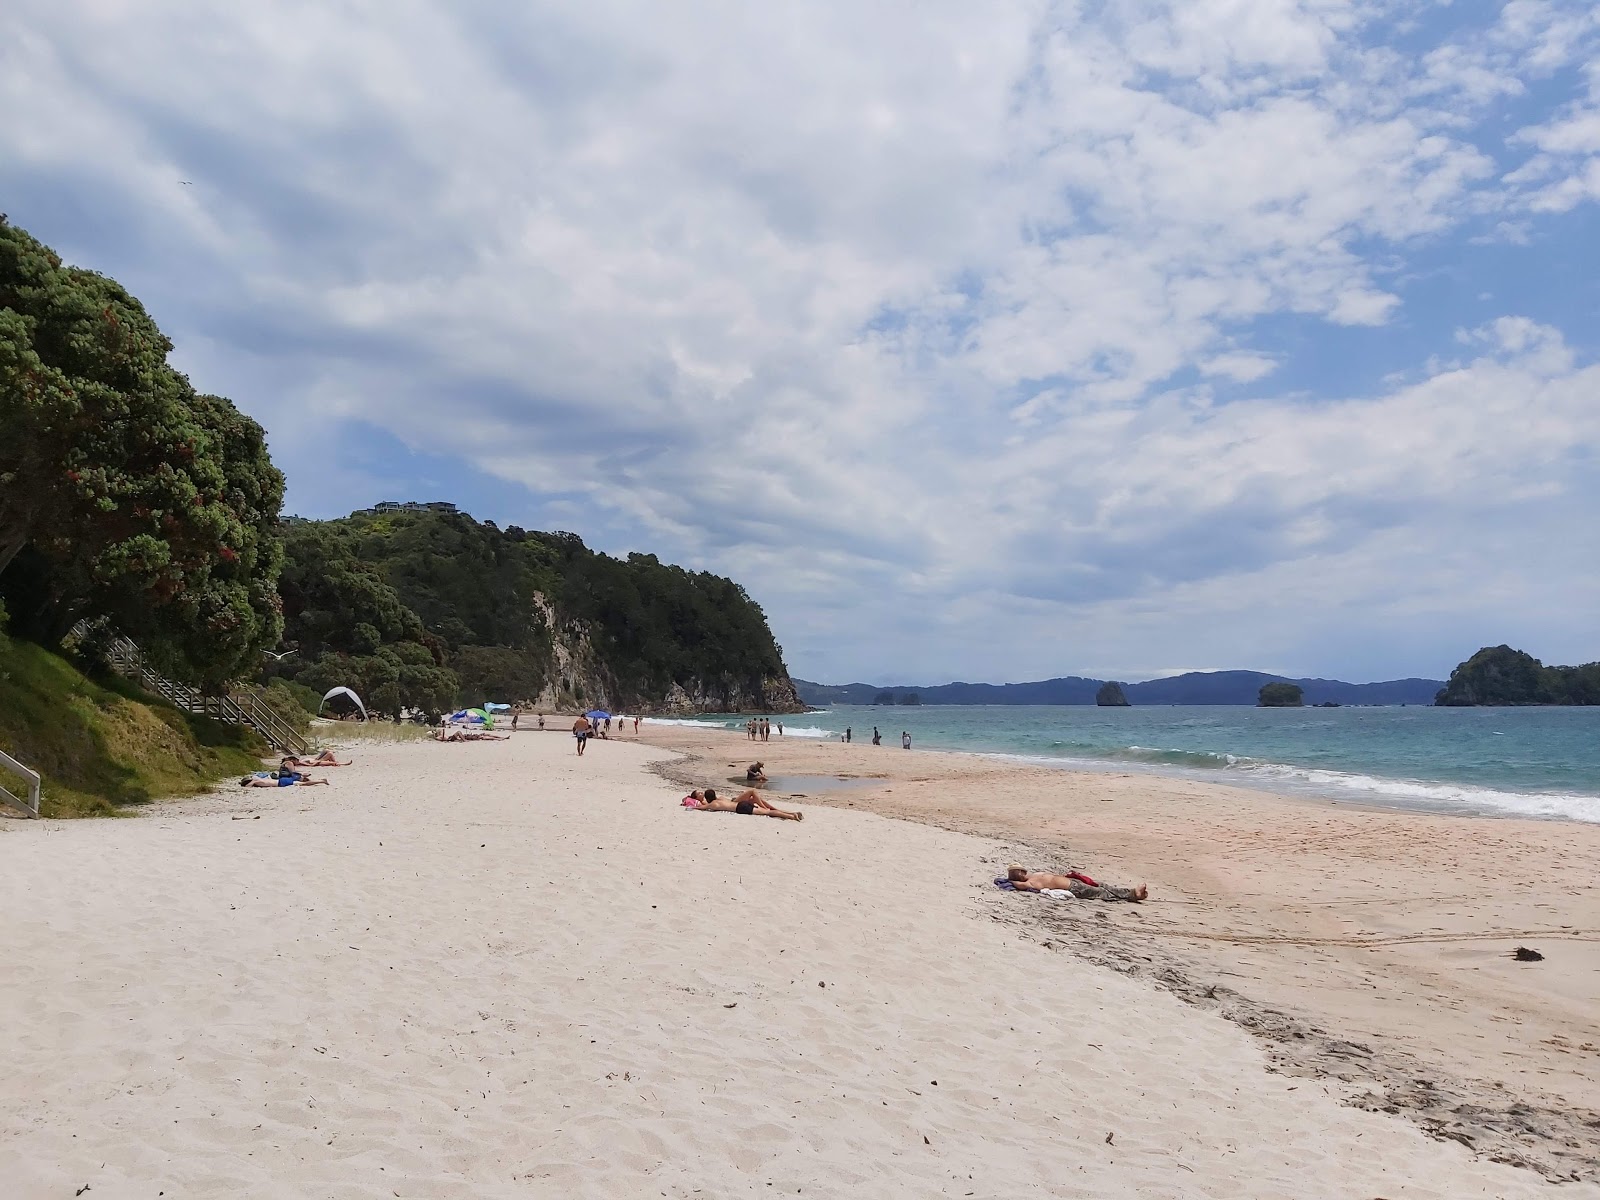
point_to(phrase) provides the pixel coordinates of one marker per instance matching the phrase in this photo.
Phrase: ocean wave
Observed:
(1434, 795)
(801, 731)
(1442, 797)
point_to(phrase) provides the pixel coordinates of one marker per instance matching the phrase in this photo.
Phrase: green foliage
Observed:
(1501, 675)
(498, 673)
(1280, 695)
(124, 494)
(103, 745)
(479, 601)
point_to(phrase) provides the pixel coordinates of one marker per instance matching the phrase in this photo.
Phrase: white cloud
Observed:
(882, 308)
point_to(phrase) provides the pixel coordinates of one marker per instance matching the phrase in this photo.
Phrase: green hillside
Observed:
(102, 747)
(428, 610)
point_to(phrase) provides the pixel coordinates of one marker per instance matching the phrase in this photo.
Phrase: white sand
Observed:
(496, 970)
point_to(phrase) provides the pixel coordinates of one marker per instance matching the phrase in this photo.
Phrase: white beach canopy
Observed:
(344, 691)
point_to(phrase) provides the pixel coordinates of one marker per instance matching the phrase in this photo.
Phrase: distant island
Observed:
(1195, 687)
(1499, 675)
(1111, 695)
(1280, 695)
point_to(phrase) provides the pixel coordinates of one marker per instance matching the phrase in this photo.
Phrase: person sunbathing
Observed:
(471, 735)
(324, 759)
(748, 804)
(287, 780)
(1079, 884)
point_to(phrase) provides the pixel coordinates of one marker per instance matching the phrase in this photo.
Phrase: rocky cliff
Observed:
(1111, 695)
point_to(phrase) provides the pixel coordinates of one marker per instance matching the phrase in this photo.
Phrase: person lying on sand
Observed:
(471, 735)
(748, 804)
(265, 780)
(754, 774)
(1025, 880)
(324, 759)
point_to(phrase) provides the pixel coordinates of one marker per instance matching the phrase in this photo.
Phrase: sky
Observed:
(978, 341)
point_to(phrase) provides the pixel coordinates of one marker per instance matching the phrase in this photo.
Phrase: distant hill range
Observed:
(1196, 687)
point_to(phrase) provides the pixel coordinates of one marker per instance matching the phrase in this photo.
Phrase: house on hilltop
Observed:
(394, 506)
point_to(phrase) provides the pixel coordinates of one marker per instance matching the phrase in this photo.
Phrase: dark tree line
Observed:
(126, 496)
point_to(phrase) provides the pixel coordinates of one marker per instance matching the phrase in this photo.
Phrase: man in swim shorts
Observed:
(749, 805)
(1025, 880)
(581, 729)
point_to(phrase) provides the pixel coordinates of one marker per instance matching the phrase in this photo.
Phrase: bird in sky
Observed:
(277, 657)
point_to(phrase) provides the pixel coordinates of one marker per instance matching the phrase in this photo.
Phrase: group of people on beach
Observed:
(1073, 883)
(759, 729)
(291, 772)
(585, 728)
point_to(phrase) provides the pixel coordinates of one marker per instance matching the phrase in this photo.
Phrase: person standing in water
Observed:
(905, 740)
(847, 733)
(877, 738)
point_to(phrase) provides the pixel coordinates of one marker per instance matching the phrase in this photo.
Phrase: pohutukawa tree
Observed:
(124, 494)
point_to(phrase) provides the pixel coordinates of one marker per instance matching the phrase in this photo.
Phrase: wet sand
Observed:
(1364, 943)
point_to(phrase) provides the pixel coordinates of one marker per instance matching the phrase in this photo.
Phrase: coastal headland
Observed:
(496, 969)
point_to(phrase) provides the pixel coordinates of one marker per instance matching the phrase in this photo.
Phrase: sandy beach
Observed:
(496, 969)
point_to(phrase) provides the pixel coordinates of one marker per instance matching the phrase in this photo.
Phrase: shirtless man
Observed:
(581, 729)
(282, 781)
(324, 759)
(1025, 880)
(749, 804)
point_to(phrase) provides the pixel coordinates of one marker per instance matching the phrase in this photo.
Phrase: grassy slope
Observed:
(100, 747)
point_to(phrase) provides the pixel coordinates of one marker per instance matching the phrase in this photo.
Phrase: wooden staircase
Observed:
(236, 708)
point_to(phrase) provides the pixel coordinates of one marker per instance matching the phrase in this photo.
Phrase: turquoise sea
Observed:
(1538, 762)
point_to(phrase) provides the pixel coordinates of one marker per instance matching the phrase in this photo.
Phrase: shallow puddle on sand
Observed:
(808, 785)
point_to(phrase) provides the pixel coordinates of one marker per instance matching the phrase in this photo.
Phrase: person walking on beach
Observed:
(905, 740)
(541, 722)
(515, 717)
(877, 738)
(636, 725)
(847, 733)
(581, 729)
(1080, 885)
(780, 728)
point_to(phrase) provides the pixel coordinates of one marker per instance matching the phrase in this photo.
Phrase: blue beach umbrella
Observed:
(598, 714)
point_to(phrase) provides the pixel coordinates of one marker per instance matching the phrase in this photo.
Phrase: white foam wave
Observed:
(800, 731)
(1349, 785)
(1444, 797)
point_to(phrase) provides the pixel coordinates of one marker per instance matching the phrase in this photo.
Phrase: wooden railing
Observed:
(30, 806)
(236, 708)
